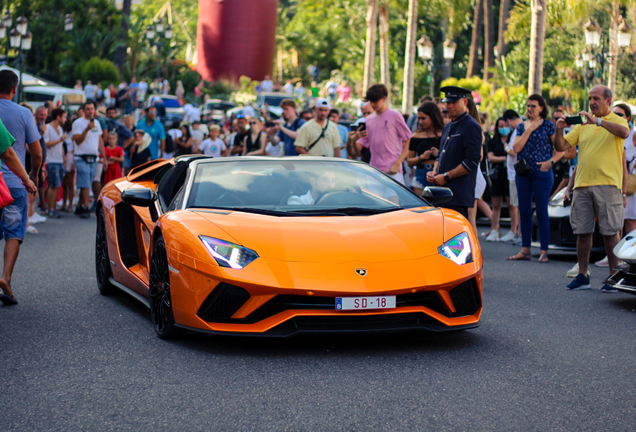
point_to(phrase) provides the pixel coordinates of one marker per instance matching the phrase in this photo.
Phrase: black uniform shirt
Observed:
(461, 144)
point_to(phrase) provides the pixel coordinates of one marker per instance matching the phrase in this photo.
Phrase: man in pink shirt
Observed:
(387, 136)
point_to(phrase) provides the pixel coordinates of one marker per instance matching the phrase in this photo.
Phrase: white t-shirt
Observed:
(511, 160)
(90, 146)
(192, 115)
(274, 150)
(306, 199)
(175, 133)
(267, 85)
(54, 154)
(70, 144)
(197, 135)
(212, 148)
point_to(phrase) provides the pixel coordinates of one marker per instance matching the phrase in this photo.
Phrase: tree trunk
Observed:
(537, 39)
(475, 42)
(409, 59)
(369, 54)
(504, 14)
(489, 38)
(613, 46)
(385, 76)
(120, 52)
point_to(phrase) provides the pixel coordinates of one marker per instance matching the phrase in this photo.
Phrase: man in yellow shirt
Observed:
(319, 136)
(599, 187)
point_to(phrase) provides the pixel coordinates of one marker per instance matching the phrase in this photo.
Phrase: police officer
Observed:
(460, 152)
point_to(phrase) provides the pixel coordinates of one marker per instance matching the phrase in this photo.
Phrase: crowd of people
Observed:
(448, 142)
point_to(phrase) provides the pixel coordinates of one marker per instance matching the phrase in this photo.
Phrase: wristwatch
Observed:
(446, 177)
(598, 121)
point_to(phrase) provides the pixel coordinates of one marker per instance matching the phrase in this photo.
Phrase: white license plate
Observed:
(361, 303)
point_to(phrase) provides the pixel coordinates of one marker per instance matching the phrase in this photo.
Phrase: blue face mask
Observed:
(504, 131)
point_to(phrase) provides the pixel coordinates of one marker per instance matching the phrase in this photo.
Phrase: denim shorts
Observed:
(85, 173)
(55, 171)
(13, 218)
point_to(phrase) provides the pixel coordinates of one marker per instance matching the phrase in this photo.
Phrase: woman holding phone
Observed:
(535, 144)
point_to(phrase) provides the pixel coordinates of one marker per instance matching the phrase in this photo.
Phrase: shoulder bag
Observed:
(5, 195)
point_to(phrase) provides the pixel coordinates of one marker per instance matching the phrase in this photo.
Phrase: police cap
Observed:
(454, 93)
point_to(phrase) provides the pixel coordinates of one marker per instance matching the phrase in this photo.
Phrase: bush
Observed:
(98, 70)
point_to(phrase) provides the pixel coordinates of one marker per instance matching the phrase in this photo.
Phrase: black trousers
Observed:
(459, 209)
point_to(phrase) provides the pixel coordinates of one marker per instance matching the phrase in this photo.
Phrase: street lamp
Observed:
(21, 25)
(425, 48)
(624, 34)
(27, 39)
(68, 23)
(15, 38)
(164, 34)
(579, 61)
(592, 33)
(449, 50)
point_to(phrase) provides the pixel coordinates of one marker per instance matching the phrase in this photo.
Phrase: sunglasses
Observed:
(532, 106)
(252, 122)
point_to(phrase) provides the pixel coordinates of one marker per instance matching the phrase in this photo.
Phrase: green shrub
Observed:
(98, 70)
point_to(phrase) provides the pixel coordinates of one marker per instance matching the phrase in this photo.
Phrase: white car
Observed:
(625, 279)
(37, 96)
(174, 110)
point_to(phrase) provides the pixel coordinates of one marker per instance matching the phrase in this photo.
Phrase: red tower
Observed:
(236, 37)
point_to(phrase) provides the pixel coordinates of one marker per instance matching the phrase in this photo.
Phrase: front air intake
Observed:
(465, 297)
(223, 302)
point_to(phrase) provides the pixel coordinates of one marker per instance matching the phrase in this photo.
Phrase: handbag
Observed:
(522, 167)
(5, 196)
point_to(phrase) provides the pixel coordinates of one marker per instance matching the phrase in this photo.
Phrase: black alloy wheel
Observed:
(160, 299)
(102, 259)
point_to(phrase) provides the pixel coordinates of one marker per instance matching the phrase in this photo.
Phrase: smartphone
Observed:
(574, 120)
(363, 126)
(567, 202)
(270, 124)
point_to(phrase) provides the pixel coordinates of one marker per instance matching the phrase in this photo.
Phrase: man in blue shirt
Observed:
(157, 132)
(21, 125)
(334, 116)
(288, 129)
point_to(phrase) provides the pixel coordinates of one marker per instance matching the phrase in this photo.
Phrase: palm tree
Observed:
(385, 76)
(369, 53)
(537, 39)
(504, 13)
(489, 38)
(475, 42)
(409, 58)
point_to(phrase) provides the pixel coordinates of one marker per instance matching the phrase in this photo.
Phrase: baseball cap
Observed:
(322, 103)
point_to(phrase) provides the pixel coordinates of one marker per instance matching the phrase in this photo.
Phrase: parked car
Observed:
(172, 112)
(624, 279)
(214, 110)
(68, 98)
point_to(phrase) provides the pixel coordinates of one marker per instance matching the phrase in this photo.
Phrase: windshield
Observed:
(273, 101)
(170, 103)
(298, 187)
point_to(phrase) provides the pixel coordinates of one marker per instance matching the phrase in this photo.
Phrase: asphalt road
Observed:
(543, 359)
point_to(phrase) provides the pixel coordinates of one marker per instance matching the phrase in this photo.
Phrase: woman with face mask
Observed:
(499, 178)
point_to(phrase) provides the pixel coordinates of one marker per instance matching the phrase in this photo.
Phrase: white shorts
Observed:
(397, 176)
(69, 161)
(98, 176)
(480, 185)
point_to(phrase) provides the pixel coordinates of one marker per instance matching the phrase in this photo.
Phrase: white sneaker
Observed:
(36, 218)
(574, 271)
(517, 240)
(602, 263)
(493, 236)
(508, 237)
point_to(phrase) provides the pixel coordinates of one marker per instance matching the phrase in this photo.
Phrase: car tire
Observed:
(102, 259)
(160, 297)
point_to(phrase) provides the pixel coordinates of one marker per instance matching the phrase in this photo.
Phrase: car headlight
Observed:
(457, 249)
(228, 254)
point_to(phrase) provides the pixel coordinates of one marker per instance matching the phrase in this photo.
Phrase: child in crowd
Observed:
(114, 158)
(213, 145)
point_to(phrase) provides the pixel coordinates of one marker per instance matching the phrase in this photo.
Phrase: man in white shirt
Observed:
(197, 135)
(267, 85)
(214, 146)
(87, 134)
(89, 90)
(319, 136)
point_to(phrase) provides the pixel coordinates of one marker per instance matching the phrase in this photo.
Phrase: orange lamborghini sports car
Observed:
(278, 246)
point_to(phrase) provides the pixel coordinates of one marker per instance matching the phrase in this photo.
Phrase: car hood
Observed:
(394, 236)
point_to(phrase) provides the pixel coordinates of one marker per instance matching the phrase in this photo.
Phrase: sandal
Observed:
(524, 257)
(544, 258)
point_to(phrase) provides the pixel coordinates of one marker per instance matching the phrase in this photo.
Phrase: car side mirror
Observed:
(139, 196)
(437, 195)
